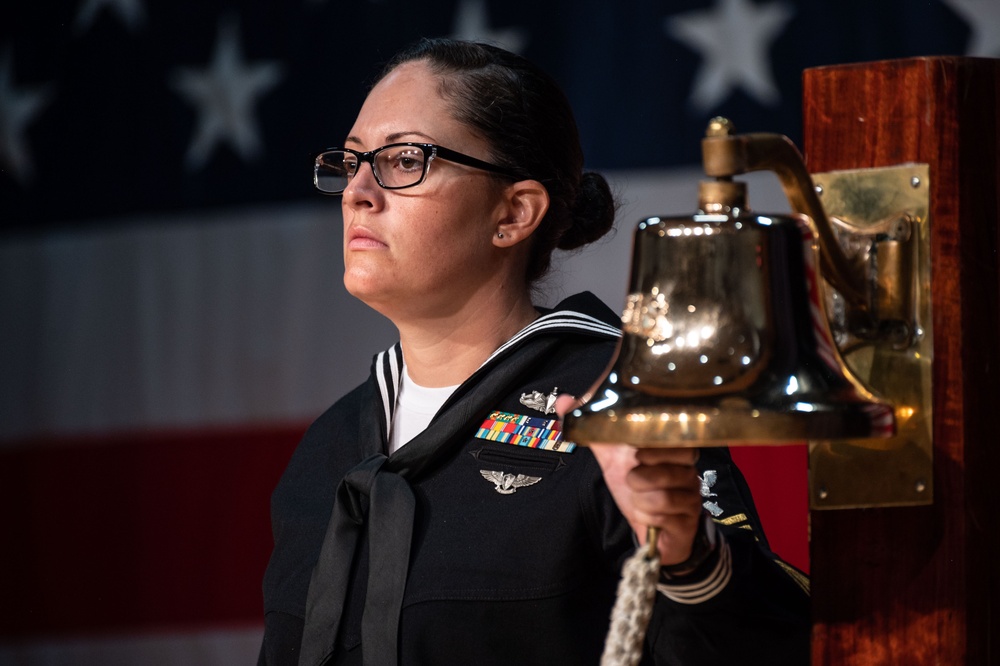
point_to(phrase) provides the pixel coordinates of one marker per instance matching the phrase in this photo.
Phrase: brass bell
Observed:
(726, 338)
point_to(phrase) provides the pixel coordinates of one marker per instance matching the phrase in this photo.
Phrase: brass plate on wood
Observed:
(897, 471)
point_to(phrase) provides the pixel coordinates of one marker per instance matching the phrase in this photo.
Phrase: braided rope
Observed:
(633, 607)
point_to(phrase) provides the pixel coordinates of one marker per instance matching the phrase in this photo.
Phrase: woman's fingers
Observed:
(655, 487)
(564, 403)
(655, 455)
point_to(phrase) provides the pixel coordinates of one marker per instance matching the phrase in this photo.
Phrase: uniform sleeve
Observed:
(300, 512)
(760, 615)
(282, 639)
(743, 605)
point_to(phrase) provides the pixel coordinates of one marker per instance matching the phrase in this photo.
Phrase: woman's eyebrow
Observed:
(391, 138)
(396, 136)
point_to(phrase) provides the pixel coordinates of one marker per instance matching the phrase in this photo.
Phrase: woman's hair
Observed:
(527, 121)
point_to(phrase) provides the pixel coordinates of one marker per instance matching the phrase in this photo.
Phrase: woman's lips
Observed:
(362, 239)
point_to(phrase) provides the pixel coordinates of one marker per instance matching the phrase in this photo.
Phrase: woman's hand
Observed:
(652, 487)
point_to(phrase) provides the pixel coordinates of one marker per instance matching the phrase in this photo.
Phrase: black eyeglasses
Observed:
(395, 166)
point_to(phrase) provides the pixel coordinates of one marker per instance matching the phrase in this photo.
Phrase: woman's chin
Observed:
(370, 290)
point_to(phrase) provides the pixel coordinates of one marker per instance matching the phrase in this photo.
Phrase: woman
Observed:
(406, 529)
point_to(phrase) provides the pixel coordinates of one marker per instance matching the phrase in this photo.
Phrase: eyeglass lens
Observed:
(395, 167)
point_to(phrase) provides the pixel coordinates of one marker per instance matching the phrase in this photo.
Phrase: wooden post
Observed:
(921, 585)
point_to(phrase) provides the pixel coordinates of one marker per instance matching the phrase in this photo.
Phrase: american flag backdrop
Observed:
(171, 312)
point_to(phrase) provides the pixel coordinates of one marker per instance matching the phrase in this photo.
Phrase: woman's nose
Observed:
(363, 188)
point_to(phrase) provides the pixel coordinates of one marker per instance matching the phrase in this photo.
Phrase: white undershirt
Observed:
(415, 408)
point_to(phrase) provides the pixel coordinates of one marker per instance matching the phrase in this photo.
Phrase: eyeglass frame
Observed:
(431, 152)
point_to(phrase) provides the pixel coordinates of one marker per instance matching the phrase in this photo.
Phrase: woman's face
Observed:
(425, 250)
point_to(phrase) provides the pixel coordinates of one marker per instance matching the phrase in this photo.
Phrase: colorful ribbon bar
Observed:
(532, 431)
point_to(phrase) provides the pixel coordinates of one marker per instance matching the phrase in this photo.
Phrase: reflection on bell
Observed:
(726, 339)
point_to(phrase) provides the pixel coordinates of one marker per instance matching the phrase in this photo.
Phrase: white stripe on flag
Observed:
(181, 322)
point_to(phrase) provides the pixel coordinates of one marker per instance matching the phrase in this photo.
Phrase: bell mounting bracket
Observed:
(874, 233)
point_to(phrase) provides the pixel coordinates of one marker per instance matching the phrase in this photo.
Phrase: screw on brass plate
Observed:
(920, 486)
(900, 230)
(915, 182)
(819, 190)
(823, 494)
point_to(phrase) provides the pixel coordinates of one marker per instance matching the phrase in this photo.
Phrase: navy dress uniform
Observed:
(488, 539)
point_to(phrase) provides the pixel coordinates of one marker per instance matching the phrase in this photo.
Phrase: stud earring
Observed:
(499, 234)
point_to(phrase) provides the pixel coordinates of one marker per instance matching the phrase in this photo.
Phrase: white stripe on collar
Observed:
(563, 319)
(388, 365)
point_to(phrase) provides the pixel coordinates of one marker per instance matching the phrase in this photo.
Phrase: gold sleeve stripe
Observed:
(732, 520)
(800, 578)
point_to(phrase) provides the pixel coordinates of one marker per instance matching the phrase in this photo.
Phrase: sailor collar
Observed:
(387, 366)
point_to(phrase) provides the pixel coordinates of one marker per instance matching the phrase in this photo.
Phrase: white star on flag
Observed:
(733, 39)
(131, 12)
(17, 109)
(225, 93)
(983, 17)
(472, 23)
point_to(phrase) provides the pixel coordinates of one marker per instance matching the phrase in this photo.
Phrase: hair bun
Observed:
(593, 212)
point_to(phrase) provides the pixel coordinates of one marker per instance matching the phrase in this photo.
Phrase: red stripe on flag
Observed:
(137, 532)
(154, 531)
(778, 477)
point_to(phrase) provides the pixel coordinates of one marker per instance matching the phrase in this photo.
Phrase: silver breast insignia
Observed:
(508, 483)
(546, 404)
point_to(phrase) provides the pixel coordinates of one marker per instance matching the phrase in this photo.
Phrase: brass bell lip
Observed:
(724, 421)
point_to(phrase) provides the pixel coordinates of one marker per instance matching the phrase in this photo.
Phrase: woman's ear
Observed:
(525, 204)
